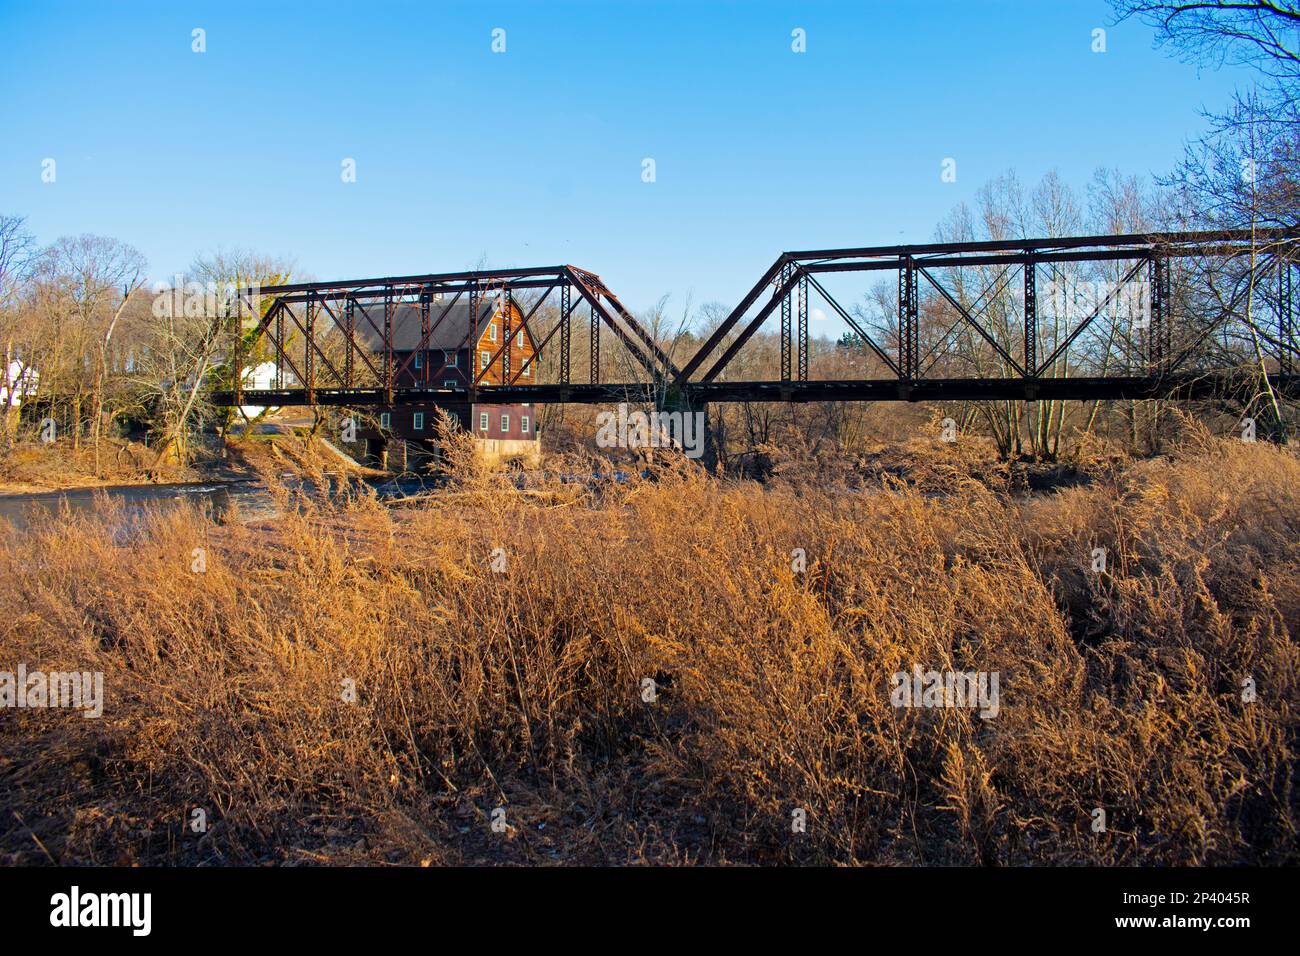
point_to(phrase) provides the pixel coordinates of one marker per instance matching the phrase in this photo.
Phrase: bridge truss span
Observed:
(1171, 314)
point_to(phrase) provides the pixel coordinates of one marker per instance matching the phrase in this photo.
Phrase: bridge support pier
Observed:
(675, 401)
(376, 453)
(711, 439)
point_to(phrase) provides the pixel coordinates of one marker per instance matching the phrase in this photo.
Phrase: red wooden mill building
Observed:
(504, 432)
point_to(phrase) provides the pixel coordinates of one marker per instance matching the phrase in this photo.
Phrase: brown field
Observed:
(522, 689)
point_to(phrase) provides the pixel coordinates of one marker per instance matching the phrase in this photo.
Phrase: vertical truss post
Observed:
(279, 345)
(309, 349)
(388, 346)
(1031, 317)
(507, 315)
(471, 373)
(1157, 323)
(595, 347)
(803, 326)
(1285, 317)
(350, 323)
(908, 357)
(425, 298)
(782, 278)
(564, 332)
(1166, 310)
(237, 362)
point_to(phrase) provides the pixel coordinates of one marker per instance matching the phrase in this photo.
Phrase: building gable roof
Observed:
(449, 334)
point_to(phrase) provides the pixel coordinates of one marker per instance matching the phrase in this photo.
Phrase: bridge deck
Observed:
(1184, 386)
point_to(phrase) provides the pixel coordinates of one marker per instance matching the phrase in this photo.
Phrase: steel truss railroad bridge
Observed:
(991, 320)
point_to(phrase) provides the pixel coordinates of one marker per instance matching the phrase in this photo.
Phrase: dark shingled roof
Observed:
(406, 324)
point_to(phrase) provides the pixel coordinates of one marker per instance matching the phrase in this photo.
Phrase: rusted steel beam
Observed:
(503, 350)
(594, 282)
(744, 336)
(432, 278)
(426, 333)
(1184, 386)
(1147, 240)
(593, 296)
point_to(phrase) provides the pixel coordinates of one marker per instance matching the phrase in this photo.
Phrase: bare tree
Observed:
(86, 282)
(16, 250)
(1243, 173)
(1261, 34)
(187, 343)
(227, 271)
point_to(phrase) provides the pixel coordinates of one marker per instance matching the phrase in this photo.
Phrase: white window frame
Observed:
(521, 338)
(505, 421)
(483, 359)
(492, 332)
(385, 420)
(523, 424)
(450, 383)
(482, 421)
(417, 421)
(453, 358)
(419, 360)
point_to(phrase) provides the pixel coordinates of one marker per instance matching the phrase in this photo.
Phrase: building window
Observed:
(417, 421)
(527, 368)
(521, 338)
(483, 359)
(523, 424)
(385, 420)
(482, 421)
(448, 383)
(419, 360)
(505, 423)
(492, 332)
(453, 358)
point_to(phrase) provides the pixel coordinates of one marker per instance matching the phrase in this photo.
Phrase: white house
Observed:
(262, 377)
(22, 380)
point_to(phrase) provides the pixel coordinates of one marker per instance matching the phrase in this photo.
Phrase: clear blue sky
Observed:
(534, 156)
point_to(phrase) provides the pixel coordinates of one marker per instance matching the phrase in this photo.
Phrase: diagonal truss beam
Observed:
(727, 324)
(782, 291)
(425, 338)
(1079, 329)
(537, 350)
(508, 333)
(852, 323)
(597, 284)
(961, 311)
(1244, 288)
(996, 286)
(591, 288)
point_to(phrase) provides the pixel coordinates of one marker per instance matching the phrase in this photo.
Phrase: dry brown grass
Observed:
(35, 466)
(523, 689)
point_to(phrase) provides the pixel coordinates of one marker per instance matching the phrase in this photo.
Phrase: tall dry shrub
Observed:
(645, 670)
